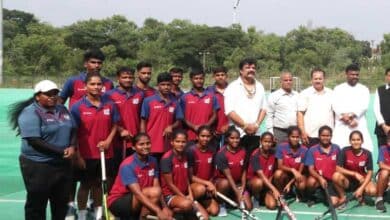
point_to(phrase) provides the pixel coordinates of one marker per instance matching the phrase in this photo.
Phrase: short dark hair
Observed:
(143, 64)
(293, 128)
(176, 70)
(124, 69)
(317, 70)
(324, 128)
(196, 71)
(387, 71)
(164, 77)
(94, 53)
(90, 75)
(352, 67)
(220, 69)
(246, 61)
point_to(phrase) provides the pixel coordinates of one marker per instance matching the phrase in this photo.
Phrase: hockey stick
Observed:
(284, 206)
(104, 182)
(235, 205)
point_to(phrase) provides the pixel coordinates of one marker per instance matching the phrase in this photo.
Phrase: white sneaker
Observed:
(222, 211)
(71, 214)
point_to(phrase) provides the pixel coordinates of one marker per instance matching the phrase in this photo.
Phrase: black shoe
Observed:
(380, 206)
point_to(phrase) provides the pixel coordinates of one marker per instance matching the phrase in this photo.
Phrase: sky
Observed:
(365, 19)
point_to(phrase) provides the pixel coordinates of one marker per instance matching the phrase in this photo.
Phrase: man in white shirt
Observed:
(350, 104)
(314, 108)
(282, 108)
(382, 110)
(245, 104)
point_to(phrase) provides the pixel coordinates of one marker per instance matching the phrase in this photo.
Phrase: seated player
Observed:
(290, 157)
(231, 169)
(176, 176)
(354, 170)
(260, 172)
(321, 160)
(201, 159)
(383, 174)
(136, 190)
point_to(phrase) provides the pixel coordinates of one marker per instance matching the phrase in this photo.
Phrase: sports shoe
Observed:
(222, 211)
(380, 206)
(71, 214)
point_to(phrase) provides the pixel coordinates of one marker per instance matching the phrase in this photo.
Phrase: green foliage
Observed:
(33, 48)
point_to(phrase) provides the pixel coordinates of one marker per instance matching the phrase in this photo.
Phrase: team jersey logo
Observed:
(151, 172)
(207, 101)
(104, 89)
(87, 113)
(106, 111)
(171, 109)
(298, 160)
(362, 163)
(241, 162)
(135, 101)
(270, 167)
(334, 157)
(209, 160)
(185, 165)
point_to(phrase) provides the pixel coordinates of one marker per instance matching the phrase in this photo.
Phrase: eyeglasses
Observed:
(95, 62)
(50, 93)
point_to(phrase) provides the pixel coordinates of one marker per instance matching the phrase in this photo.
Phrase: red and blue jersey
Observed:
(324, 163)
(258, 161)
(198, 109)
(129, 107)
(222, 119)
(177, 94)
(234, 161)
(133, 171)
(384, 155)
(178, 168)
(202, 162)
(94, 125)
(159, 115)
(289, 158)
(359, 163)
(149, 91)
(74, 88)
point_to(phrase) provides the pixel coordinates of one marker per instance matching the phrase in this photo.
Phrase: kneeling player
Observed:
(354, 170)
(290, 157)
(176, 176)
(321, 160)
(383, 174)
(201, 160)
(231, 169)
(136, 190)
(260, 171)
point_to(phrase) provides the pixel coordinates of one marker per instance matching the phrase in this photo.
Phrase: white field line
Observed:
(319, 213)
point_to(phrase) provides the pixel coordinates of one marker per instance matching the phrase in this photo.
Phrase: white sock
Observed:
(72, 204)
(82, 214)
(98, 212)
(379, 198)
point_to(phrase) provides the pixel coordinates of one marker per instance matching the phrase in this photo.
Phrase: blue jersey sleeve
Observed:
(145, 109)
(76, 113)
(381, 154)
(115, 117)
(166, 165)
(67, 90)
(221, 161)
(178, 112)
(279, 152)
(309, 158)
(29, 123)
(128, 175)
(215, 103)
(182, 102)
(255, 162)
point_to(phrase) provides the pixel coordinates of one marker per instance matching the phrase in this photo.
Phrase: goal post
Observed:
(274, 83)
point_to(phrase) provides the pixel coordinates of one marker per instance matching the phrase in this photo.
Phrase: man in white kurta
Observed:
(350, 104)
